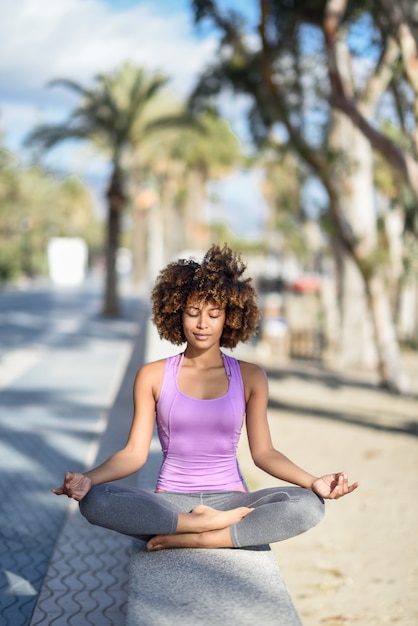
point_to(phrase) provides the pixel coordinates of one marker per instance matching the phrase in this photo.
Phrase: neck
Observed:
(205, 358)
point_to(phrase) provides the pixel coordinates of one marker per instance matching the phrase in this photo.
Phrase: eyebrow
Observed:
(214, 308)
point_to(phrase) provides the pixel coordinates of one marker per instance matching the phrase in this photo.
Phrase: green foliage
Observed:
(221, 234)
(178, 169)
(210, 147)
(10, 267)
(34, 206)
(411, 257)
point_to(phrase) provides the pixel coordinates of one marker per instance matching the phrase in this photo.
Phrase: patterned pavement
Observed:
(70, 404)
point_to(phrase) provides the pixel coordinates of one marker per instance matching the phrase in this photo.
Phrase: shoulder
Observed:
(254, 378)
(251, 369)
(151, 369)
(149, 377)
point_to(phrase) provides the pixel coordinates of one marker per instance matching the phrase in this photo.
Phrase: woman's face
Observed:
(203, 323)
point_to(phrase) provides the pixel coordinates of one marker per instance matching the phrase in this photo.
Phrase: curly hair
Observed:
(218, 279)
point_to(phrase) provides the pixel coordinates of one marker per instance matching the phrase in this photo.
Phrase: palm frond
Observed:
(185, 120)
(120, 109)
(71, 84)
(47, 136)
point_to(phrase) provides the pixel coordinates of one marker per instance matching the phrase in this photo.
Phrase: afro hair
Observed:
(218, 279)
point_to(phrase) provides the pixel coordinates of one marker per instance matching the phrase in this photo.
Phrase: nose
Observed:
(202, 323)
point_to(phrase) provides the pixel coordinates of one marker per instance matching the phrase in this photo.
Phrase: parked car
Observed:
(306, 283)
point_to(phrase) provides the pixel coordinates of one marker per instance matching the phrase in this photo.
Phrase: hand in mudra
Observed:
(333, 486)
(75, 485)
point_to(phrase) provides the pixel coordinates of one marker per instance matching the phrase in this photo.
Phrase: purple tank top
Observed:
(199, 438)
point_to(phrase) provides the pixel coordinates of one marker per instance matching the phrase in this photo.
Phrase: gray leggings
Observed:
(279, 513)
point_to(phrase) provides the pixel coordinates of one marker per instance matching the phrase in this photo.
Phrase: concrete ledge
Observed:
(187, 587)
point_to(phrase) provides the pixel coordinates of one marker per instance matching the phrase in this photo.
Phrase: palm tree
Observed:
(117, 114)
(182, 168)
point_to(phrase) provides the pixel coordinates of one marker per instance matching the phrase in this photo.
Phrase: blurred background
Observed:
(135, 132)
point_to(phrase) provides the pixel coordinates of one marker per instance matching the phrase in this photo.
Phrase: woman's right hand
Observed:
(75, 485)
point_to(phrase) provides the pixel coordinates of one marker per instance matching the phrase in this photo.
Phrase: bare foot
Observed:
(209, 539)
(204, 518)
(204, 527)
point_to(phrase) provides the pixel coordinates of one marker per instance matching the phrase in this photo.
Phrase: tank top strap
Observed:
(171, 368)
(233, 371)
(178, 362)
(173, 363)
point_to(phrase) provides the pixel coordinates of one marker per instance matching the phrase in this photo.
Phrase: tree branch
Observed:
(401, 161)
(312, 157)
(381, 77)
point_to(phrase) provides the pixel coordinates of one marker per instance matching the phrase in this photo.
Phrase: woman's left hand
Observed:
(333, 486)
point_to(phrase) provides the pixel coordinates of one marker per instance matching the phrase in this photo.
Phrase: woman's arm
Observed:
(263, 453)
(135, 453)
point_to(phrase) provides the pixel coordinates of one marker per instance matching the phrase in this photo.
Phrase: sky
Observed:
(76, 39)
(45, 39)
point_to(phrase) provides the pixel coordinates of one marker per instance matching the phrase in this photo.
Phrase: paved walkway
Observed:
(68, 406)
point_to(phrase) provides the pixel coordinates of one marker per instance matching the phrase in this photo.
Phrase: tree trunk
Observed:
(155, 242)
(173, 228)
(139, 246)
(387, 345)
(111, 307)
(358, 248)
(358, 206)
(195, 235)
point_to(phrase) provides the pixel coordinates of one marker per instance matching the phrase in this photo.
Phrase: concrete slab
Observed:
(188, 587)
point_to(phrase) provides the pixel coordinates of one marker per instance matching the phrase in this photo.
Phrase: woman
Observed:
(199, 399)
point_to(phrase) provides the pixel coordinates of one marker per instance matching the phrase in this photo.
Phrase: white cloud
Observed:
(76, 39)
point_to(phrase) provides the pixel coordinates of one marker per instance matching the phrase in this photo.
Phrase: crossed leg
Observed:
(215, 537)
(269, 515)
(232, 519)
(143, 514)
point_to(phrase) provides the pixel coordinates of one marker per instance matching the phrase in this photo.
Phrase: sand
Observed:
(360, 564)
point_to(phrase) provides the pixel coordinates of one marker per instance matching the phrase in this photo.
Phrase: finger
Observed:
(341, 483)
(338, 490)
(347, 489)
(59, 491)
(71, 483)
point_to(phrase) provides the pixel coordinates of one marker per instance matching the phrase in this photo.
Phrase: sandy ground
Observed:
(360, 564)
